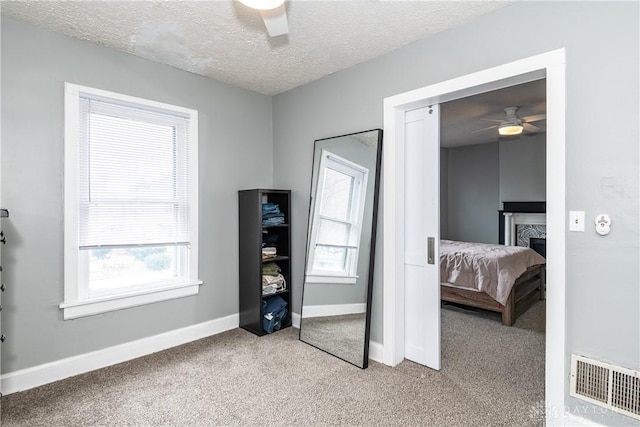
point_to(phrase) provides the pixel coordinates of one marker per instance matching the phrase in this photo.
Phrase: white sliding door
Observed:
(422, 236)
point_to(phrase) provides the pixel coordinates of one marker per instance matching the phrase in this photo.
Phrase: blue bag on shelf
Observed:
(274, 313)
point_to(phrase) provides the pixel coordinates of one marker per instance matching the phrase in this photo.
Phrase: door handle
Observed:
(431, 249)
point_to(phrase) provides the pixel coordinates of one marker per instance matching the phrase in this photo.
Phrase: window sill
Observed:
(341, 280)
(75, 309)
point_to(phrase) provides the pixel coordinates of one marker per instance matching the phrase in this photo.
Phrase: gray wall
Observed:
(473, 199)
(602, 44)
(235, 153)
(444, 193)
(522, 169)
(476, 179)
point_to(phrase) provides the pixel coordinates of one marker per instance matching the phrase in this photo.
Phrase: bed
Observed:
(504, 279)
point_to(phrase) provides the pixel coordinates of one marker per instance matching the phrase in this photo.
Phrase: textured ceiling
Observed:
(464, 121)
(228, 42)
(225, 40)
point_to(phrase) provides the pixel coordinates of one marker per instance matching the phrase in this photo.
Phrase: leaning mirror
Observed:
(336, 300)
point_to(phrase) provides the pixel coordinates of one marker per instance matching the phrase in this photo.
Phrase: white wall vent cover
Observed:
(606, 385)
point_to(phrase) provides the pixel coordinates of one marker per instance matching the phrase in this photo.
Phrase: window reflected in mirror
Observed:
(338, 214)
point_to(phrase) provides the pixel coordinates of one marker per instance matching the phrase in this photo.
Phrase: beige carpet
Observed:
(492, 375)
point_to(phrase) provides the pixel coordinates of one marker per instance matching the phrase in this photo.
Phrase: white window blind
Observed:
(133, 176)
(131, 201)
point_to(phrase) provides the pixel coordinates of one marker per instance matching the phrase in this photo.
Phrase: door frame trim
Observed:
(550, 65)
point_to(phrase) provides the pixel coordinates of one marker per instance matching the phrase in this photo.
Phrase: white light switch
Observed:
(576, 220)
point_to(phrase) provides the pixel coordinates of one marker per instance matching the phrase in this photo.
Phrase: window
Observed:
(337, 220)
(131, 201)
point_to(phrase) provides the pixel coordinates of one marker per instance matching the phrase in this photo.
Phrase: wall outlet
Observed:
(576, 220)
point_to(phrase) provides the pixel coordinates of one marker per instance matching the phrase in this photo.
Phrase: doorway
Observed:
(551, 66)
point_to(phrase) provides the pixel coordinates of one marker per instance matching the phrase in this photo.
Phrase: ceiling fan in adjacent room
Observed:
(512, 125)
(273, 14)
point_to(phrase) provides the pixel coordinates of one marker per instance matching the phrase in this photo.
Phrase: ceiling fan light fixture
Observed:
(262, 4)
(510, 129)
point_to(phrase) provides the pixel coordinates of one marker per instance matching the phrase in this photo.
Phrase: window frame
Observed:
(360, 174)
(74, 304)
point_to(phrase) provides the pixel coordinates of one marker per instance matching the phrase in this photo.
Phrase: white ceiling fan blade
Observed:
(492, 120)
(530, 128)
(276, 21)
(535, 118)
(485, 129)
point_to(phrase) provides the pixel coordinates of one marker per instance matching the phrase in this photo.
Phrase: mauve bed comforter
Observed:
(492, 269)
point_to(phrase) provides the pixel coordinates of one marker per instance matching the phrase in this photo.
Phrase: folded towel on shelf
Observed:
(274, 281)
(273, 284)
(269, 252)
(270, 269)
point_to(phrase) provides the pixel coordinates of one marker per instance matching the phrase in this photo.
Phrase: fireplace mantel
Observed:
(517, 208)
(512, 219)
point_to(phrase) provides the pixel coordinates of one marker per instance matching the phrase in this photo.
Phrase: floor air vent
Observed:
(606, 385)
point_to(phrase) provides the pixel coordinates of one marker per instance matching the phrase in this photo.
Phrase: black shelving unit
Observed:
(251, 234)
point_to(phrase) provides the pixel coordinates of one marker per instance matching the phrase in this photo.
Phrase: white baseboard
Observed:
(25, 379)
(375, 351)
(36, 376)
(295, 320)
(334, 309)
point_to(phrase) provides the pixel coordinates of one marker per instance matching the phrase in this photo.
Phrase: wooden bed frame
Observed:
(528, 289)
